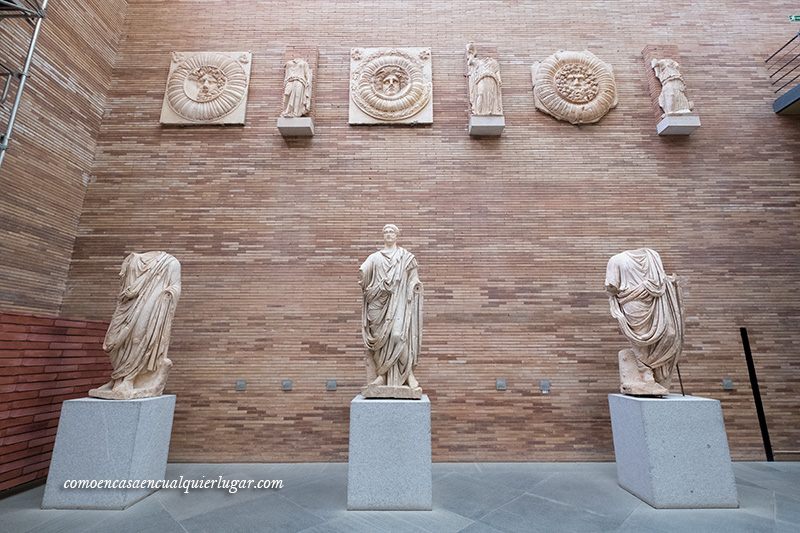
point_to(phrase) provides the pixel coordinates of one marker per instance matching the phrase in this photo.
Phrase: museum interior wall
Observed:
(48, 165)
(512, 233)
(45, 361)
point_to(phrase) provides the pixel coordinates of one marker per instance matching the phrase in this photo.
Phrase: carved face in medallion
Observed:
(576, 83)
(206, 86)
(390, 81)
(204, 83)
(390, 85)
(574, 86)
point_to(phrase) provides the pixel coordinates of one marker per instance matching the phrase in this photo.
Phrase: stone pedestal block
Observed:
(678, 125)
(672, 452)
(486, 126)
(100, 440)
(390, 455)
(296, 126)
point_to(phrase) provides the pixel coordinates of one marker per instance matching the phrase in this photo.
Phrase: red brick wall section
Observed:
(43, 361)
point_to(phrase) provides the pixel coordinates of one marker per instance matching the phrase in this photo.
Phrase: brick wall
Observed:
(48, 164)
(512, 234)
(43, 361)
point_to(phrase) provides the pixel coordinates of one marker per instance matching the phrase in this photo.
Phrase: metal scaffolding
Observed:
(32, 13)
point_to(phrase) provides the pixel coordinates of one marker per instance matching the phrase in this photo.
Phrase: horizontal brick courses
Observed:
(512, 234)
(31, 393)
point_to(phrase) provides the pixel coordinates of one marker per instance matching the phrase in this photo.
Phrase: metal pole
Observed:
(4, 138)
(762, 419)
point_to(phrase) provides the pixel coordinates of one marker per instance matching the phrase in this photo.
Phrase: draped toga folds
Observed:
(138, 336)
(646, 302)
(392, 313)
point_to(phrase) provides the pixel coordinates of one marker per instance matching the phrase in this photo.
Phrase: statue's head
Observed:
(390, 233)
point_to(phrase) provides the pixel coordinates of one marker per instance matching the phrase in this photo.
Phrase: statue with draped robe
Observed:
(391, 320)
(647, 304)
(485, 95)
(138, 336)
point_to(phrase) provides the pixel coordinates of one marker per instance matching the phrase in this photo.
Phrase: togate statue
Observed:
(647, 303)
(673, 91)
(391, 320)
(138, 336)
(296, 89)
(484, 84)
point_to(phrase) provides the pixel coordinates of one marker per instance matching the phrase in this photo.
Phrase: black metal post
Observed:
(762, 420)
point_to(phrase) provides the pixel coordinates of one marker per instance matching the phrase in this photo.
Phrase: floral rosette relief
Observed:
(207, 88)
(391, 86)
(576, 87)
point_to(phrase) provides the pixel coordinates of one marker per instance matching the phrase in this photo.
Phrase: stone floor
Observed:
(469, 497)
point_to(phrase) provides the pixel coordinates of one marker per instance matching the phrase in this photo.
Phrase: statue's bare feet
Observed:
(377, 381)
(107, 386)
(412, 381)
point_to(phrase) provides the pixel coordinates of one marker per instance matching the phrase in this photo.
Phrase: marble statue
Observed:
(647, 303)
(138, 336)
(296, 89)
(576, 87)
(673, 91)
(391, 320)
(207, 88)
(484, 84)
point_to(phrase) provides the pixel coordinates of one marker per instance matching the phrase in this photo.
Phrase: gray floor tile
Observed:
(182, 505)
(147, 516)
(366, 522)
(68, 521)
(598, 493)
(326, 498)
(700, 520)
(470, 497)
(479, 527)
(787, 510)
(439, 470)
(756, 501)
(532, 513)
(780, 477)
(436, 521)
(563, 497)
(264, 514)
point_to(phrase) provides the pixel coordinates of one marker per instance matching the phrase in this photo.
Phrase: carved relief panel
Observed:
(576, 87)
(391, 86)
(207, 88)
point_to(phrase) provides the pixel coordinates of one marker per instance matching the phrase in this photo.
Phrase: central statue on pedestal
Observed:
(391, 320)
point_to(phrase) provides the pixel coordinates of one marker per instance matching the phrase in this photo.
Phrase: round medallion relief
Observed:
(574, 86)
(390, 85)
(206, 86)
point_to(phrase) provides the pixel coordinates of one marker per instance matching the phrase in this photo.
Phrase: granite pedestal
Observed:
(672, 452)
(678, 125)
(296, 126)
(486, 126)
(390, 455)
(100, 440)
